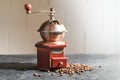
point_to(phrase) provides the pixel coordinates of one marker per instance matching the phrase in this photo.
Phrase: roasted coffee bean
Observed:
(79, 73)
(100, 66)
(61, 74)
(82, 70)
(48, 71)
(53, 74)
(36, 74)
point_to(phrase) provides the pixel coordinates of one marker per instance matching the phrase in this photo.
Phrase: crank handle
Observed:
(28, 8)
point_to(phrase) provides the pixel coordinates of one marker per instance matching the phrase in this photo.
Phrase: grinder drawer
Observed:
(58, 62)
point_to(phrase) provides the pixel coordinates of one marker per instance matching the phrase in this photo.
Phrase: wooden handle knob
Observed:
(60, 64)
(28, 8)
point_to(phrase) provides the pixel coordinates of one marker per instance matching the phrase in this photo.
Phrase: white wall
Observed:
(93, 25)
(18, 31)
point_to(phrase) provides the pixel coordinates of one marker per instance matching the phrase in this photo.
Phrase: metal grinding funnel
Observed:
(51, 30)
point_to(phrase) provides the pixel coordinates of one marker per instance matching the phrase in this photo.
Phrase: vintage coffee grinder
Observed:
(50, 51)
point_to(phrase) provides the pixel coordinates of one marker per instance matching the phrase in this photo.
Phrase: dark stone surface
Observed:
(22, 67)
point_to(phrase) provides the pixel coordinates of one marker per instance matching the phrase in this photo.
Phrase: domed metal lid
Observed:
(54, 26)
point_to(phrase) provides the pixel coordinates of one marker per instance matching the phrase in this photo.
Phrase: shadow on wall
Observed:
(18, 66)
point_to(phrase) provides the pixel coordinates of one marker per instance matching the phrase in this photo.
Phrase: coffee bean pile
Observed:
(69, 69)
(74, 68)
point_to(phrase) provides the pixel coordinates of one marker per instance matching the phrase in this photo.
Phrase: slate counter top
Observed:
(22, 67)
